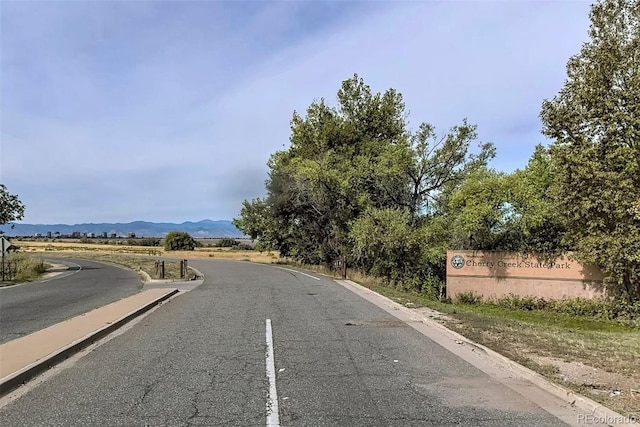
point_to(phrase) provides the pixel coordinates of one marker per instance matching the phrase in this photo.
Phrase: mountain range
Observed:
(201, 229)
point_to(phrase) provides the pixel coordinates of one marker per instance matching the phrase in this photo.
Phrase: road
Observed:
(86, 285)
(261, 345)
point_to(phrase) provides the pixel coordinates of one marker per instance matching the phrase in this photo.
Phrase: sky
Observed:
(168, 111)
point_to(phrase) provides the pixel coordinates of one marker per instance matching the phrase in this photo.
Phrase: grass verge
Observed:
(25, 268)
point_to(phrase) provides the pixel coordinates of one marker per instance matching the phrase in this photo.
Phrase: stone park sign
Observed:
(498, 274)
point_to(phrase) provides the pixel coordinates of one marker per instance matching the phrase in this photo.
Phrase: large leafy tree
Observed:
(11, 208)
(595, 124)
(357, 184)
(342, 160)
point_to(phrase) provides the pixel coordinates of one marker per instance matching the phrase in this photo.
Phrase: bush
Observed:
(601, 309)
(179, 241)
(468, 298)
(147, 241)
(227, 243)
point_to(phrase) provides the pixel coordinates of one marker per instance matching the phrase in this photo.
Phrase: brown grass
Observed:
(25, 268)
(198, 253)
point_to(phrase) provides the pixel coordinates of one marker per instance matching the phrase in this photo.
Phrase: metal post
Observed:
(162, 268)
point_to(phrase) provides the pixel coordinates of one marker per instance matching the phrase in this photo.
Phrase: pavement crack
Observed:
(196, 409)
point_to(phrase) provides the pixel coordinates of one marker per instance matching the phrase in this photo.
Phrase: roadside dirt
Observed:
(615, 385)
(613, 389)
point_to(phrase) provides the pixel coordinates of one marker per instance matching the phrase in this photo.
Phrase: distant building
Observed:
(104, 234)
(114, 236)
(49, 234)
(132, 235)
(91, 235)
(75, 235)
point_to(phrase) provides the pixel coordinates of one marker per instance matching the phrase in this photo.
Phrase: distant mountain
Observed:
(200, 229)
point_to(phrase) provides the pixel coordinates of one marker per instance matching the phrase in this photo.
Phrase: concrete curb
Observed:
(16, 379)
(199, 274)
(145, 276)
(579, 401)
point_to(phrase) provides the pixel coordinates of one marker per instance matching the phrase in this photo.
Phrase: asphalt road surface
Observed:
(259, 345)
(86, 285)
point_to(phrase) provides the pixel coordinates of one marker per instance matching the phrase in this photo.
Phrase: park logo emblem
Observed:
(457, 262)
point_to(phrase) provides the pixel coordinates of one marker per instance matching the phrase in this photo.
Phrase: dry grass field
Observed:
(62, 247)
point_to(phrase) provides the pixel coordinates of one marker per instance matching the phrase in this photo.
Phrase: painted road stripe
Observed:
(299, 272)
(273, 418)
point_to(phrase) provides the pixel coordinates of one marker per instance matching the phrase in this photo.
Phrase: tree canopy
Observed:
(594, 123)
(355, 171)
(11, 208)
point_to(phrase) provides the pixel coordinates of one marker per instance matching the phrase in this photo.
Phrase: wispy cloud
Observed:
(117, 111)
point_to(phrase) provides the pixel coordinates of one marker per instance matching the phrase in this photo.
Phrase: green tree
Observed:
(388, 246)
(11, 208)
(357, 184)
(257, 222)
(512, 212)
(536, 224)
(439, 165)
(594, 122)
(179, 241)
(482, 213)
(342, 161)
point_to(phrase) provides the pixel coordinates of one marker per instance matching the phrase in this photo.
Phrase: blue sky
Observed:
(115, 111)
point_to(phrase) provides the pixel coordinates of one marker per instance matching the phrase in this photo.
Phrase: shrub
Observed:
(147, 241)
(613, 309)
(179, 241)
(261, 246)
(227, 242)
(468, 298)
